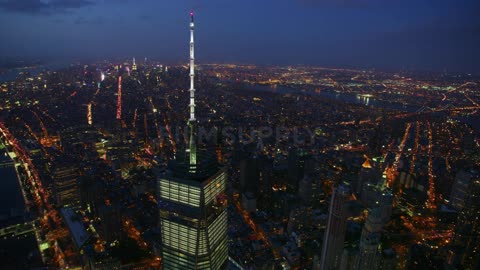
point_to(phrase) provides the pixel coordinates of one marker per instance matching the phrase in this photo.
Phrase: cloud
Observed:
(42, 7)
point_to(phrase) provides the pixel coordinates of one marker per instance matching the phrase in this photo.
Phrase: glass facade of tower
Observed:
(179, 192)
(193, 221)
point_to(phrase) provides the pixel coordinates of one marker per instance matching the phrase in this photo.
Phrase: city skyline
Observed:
(147, 165)
(406, 35)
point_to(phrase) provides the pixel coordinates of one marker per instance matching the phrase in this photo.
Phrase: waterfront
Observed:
(12, 74)
(12, 205)
(17, 252)
(364, 100)
(337, 96)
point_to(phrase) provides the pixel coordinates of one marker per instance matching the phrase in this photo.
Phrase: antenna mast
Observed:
(192, 147)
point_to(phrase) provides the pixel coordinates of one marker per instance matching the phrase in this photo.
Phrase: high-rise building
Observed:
(467, 230)
(66, 185)
(334, 236)
(250, 175)
(369, 174)
(264, 187)
(110, 221)
(193, 216)
(375, 196)
(310, 189)
(349, 257)
(89, 193)
(370, 241)
(119, 99)
(134, 65)
(386, 204)
(389, 259)
(460, 187)
(296, 168)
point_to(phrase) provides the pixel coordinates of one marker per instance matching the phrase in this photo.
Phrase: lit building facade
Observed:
(65, 185)
(193, 218)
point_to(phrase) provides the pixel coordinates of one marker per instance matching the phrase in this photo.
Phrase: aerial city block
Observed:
(140, 163)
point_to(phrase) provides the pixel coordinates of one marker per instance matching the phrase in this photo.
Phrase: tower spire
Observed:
(119, 99)
(192, 147)
(134, 65)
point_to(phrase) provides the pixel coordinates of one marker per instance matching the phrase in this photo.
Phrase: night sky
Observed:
(440, 35)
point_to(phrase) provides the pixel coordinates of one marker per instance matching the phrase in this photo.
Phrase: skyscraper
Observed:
(370, 241)
(467, 230)
(249, 174)
(296, 168)
(119, 99)
(193, 217)
(110, 220)
(66, 185)
(369, 174)
(460, 188)
(134, 65)
(334, 236)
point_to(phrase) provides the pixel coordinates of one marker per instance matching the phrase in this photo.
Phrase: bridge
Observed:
(17, 229)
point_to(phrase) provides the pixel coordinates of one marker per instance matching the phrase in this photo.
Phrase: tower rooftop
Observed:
(205, 167)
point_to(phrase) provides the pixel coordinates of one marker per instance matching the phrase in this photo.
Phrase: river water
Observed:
(342, 97)
(472, 120)
(19, 252)
(12, 205)
(12, 74)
